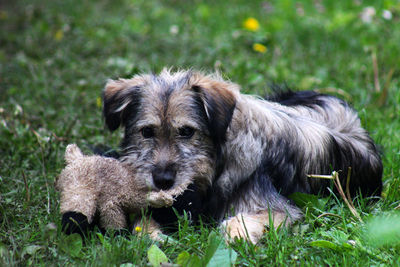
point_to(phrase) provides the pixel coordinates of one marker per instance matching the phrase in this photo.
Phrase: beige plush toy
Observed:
(91, 184)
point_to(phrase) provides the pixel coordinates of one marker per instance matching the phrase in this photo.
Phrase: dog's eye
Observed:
(186, 131)
(147, 132)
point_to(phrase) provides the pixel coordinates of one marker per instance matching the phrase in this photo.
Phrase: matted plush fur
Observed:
(91, 185)
(244, 154)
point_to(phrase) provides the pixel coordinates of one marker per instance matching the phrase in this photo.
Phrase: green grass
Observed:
(55, 57)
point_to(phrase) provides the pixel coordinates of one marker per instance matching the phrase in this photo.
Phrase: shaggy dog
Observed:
(245, 154)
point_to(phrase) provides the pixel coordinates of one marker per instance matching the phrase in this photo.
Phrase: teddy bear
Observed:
(92, 186)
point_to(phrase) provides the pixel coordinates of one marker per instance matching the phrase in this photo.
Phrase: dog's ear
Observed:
(121, 99)
(218, 101)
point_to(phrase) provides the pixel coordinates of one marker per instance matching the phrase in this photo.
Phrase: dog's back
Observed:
(351, 144)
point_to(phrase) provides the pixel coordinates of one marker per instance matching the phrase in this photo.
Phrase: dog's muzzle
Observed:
(164, 176)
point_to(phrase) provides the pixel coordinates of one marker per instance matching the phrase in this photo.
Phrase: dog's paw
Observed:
(160, 199)
(244, 226)
(151, 227)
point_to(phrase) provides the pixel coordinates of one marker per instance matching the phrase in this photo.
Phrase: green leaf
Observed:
(194, 261)
(72, 245)
(307, 200)
(213, 243)
(300, 229)
(101, 237)
(187, 260)
(223, 257)
(217, 254)
(168, 239)
(3, 250)
(49, 232)
(347, 246)
(183, 258)
(156, 256)
(336, 235)
(323, 244)
(31, 250)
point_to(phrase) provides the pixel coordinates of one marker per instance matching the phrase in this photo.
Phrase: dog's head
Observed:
(174, 124)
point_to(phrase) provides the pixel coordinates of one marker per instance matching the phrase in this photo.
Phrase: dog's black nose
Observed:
(164, 176)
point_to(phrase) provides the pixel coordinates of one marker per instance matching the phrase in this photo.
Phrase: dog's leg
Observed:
(147, 226)
(252, 226)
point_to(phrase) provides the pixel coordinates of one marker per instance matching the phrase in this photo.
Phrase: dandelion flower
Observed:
(138, 229)
(98, 102)
(251, 24)
(3, 15)
(260, 48)
(59, 35)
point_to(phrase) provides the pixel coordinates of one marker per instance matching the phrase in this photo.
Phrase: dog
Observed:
(245, 154)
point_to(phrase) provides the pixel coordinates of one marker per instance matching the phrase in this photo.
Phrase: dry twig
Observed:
(376, 72)
(385, 91)
(346, 198)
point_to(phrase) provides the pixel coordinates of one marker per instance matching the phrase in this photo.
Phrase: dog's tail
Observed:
(72, 152)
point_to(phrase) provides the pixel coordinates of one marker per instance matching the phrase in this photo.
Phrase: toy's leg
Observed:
(75, 222)
(79, 199)
(77, 206)
(112, 216)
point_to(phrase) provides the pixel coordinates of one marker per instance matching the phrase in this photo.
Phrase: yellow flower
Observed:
(259, 48)
(138, 229)
(98, 102)
(3, 15)
(251, 24)
(59, 35)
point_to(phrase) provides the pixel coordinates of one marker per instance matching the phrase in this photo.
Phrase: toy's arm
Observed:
(160, 199)
(166, 198)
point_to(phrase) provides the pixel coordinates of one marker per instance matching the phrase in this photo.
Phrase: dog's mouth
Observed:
(164, 175)
(163, 182)
(189, 202)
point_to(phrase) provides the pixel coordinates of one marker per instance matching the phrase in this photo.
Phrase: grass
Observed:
(55, 57)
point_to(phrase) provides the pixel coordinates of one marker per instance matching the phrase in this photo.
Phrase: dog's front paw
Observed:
(244, 226)
(160, 199)
(150, 227)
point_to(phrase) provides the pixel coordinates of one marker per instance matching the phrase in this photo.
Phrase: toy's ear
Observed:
(218, 102)
(121, 99)
(72, 152)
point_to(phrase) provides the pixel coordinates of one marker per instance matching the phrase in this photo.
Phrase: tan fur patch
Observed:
(114, 86)
(252, 226)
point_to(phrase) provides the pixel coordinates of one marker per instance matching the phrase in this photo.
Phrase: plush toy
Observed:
(91, 185)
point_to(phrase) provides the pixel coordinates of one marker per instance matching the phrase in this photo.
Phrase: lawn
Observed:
(55, 57)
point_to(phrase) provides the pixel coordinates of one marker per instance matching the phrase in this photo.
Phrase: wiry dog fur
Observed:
(245, 154)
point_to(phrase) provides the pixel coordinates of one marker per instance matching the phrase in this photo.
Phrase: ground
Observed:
(55, 57)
